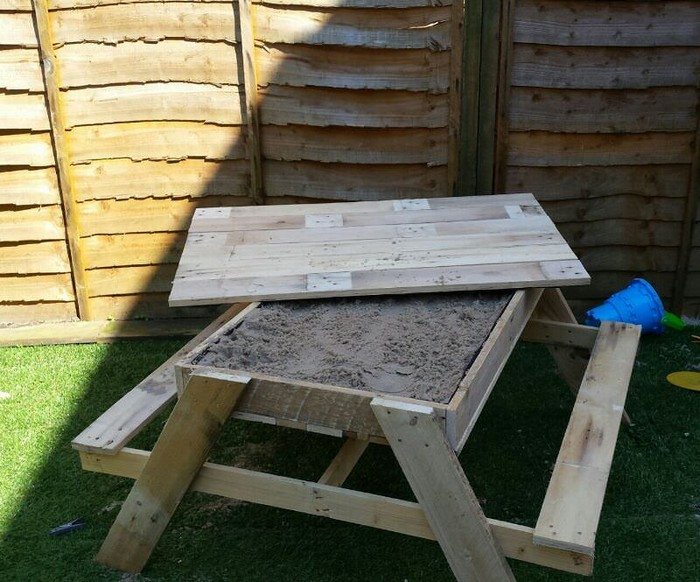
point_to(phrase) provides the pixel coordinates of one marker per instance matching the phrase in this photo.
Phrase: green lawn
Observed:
(649, 528)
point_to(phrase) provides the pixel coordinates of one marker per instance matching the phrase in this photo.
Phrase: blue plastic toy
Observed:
(638, 303)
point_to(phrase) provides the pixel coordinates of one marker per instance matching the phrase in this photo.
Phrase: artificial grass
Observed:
(649, 528)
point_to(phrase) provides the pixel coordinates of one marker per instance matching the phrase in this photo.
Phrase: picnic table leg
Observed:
(177, 457)
(442, 490)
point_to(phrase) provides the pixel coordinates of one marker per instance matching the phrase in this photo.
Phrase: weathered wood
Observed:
(28, 187)
(574, 499)
(457, 31)
(39, 257)
(443, 491)
(18, 30)
(133, 249)
(140, 62)
(632, 206)
(57, 287)
(181, 450)
(559, 333)
(344, 462)
(603, 67)
(590, 23)
(503, 97)
(356, 3)
(26, 149)
(20, 69)
(23, 111)
(598, 111)
(32, 224)
(145, 306)
(27, 313)
(154, 102)
(630, 259)
(130, 280)
(620, 232)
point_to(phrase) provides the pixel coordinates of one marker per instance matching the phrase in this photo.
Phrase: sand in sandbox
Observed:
(416, 346)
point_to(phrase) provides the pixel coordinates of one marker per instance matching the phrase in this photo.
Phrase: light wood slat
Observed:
(133, 249)
(346, 68)
(356, 3)
(23, 111)
(409, 28)
(574, 499)
(126, 22)
(566, 110)
(55, 287)
(130, 280)
(322, 107)
(20, 70)
(629, 258)
(558, 333)
(344, 462)
(25, 313)
(565, 183)
(590, 23)
(126, 179)
(27, 187)
(140, 62)
(603, 67)
(18, 30)
(42, 257)
(55, 4)
(353, 182)
(26, 149)
(560, 149)
(361, 146)
(17, 5)
(144, 305)
(153, 102)
(156, 141)
(32, 224)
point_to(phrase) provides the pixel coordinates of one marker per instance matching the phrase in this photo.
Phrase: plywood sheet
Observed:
(372, 248)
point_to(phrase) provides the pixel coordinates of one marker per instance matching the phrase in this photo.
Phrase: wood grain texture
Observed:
(23, 111)
(18, 30)
(632, 206)
(32, 312)
(130, 280)
(32, 224)
(620, 232)
(29, 187)
(30, 288)
(20, 70)
(145, 306)
(35, 257)
(116, 250)
(26, 149)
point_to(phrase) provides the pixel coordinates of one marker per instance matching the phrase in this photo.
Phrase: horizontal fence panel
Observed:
(41, 257)
(93, 64)
(127, 179)
(23, 111)
(591, 23)
(26, 149)
(21, 313)
(156, 141)
(563, 183)
(560, 149)
(409, 28)
(57, 4)
(152, 22)
(353, 182)
(603, 67)
(619, 231)
(28, 187)
(629, 259)
(132, 249)
(605, 283)
(130, 280)
(620, 206)
(32, 224)
(603, 111)
(145, 305)
(360, 146)
(17, 5)
(20, 70)
(356, 3)
(154, 102)
(57, 287)
(353, 68)
(17, 29)
(280, 105)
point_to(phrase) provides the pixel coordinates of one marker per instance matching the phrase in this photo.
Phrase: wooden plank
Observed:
(26, 149)
(177, 457)
(457, 17)
(505, 63)
(478, 383)
(355, 145)
(355, 3)
(409, 28)
(23, 111)
(353, 68)
(153, 102)
(133, 411)
(632, 206)
(91, 3)
(52, 82)
(133, 249)
(337, 107)
(149, 140)
(574, 499)
(17, 5)
(150, 306)
(559, 333)
(20, 70)
(141, 62)
(620, 232)
(32, 224)
(252, 106)
(605, 283)
(630, 258)
(130, 280)
(24, 313)
(603, 67)
(28, 187)
(56, 287)
(336, 503)
(116, 23)
(561, 149)
(590, 23)
(565, 183)
(443, 491)
(41, 257)
(608, 111)
(122, 179)
(353, 182)
(344, 462)
(18, 30)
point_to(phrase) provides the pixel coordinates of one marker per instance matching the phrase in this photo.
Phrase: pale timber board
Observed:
(414, 248)
(23, 111)
(28, 187)
(18, 30)
(574, 500)
(20, 69)
(26, 149)
(352, 3)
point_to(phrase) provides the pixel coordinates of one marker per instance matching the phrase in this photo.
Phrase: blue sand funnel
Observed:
(638, 303)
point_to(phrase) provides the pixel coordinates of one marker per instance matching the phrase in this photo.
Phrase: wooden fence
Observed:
(119, 117)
